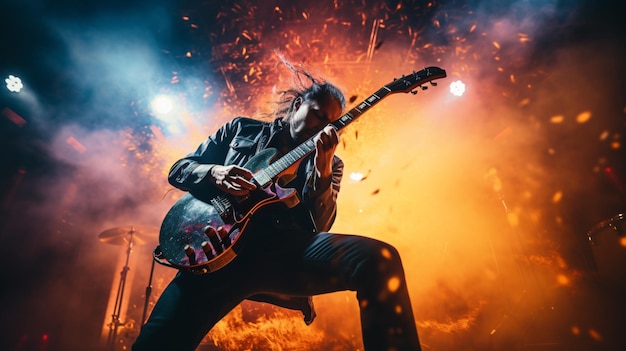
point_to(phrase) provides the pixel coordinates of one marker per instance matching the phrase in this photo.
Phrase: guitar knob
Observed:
(214, 239)
(206, 248)
(158, 253)
(191, 254)
(223, 233)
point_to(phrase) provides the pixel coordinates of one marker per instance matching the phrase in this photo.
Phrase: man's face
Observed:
(311, 116)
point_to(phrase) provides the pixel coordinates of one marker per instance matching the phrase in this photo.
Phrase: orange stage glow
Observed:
(440, 176)
(476, 192)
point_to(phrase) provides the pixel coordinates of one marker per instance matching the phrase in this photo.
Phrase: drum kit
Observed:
(127, 236)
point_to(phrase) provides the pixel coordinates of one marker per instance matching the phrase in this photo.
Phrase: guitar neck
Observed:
(404, 84)
(266, 176)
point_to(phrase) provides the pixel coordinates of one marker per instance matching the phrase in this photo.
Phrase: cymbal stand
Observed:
(115, 317)
(148, 292)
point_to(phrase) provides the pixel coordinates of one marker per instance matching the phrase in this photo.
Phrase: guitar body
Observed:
(203, 237)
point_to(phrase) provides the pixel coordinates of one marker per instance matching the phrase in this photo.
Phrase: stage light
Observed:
(457, 88)
(166, 109)
(357, 176)
(14, 84)
(162, 105)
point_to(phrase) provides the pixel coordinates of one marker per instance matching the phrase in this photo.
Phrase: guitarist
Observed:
(289, 255)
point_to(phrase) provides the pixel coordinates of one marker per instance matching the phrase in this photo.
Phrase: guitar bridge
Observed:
(222, 205)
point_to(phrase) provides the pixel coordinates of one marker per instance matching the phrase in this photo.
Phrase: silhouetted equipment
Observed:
(140, 235)
(608, 245)
(128, 236)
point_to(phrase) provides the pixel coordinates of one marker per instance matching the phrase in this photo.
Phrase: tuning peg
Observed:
(433, 83)
(414, 92)
(424, 87)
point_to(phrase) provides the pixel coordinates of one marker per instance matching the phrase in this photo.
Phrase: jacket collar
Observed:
(275, 127)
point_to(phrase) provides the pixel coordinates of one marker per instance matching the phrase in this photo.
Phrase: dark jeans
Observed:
(191, 305)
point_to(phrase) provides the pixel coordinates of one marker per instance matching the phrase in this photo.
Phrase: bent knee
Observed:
(381, 264)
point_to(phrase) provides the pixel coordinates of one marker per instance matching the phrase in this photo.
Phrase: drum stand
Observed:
(115, 318)
(148, 292)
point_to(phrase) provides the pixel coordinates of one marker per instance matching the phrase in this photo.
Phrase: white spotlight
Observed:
(357, 176)
(457, 88)
(162, 104)
(14, 84)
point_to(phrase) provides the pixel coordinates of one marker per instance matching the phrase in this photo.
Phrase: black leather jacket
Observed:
(235, 143)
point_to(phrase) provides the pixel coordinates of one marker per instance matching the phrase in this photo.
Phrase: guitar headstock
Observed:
(409, 83)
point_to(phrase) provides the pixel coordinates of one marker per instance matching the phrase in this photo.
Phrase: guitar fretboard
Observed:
(265, 177)
(404, 84)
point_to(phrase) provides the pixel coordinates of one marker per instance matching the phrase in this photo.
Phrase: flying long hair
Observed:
(305, 85)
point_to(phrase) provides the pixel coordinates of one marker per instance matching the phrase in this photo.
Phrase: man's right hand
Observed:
(232, 179)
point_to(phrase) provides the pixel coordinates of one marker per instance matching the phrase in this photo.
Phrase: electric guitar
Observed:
(204, 236)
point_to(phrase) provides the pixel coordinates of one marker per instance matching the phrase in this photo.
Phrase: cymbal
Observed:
(613, 222)
(140, 235)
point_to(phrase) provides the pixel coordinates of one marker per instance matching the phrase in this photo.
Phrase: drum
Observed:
(608, 246)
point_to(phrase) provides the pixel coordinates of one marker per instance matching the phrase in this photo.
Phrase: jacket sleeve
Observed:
(189, 173)
(323, 207)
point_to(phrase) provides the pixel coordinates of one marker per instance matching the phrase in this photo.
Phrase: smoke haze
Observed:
(488, 196)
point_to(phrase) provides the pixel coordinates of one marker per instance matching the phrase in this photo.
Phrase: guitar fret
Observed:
(290, 157)
(276, 166)
(372, 99)
(344, 120)
(262, 178)
(302, 150)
